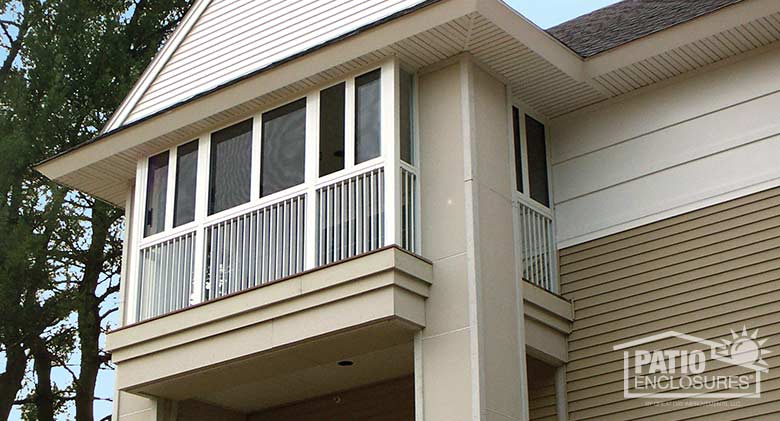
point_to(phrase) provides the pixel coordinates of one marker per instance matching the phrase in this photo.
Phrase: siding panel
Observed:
(233, 38)
(701, 273)
(702, 140)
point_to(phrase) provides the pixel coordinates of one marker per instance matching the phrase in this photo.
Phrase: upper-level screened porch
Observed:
(314, 180)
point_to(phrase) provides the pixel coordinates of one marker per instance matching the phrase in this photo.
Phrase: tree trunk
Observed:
(89, 313)
(11, 379)
(44, 396)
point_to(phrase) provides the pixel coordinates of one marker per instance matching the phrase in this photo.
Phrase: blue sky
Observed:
(544, 13)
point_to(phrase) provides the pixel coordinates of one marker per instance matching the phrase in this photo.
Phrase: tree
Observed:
(68, 65)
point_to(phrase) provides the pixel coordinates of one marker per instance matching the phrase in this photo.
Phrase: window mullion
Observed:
(170, 188)
(310, 177)
(349, 124)
(257, 136)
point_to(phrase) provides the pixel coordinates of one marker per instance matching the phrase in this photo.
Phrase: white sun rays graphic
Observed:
(745, 348)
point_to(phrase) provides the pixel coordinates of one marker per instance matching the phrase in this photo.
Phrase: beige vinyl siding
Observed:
(235, 37)
(701, 273)
(541, 391)
(390, 401)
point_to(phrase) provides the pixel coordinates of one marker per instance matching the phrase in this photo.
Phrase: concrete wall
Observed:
(494, 267)
(662, 151)
(446, 340)
(701, 273)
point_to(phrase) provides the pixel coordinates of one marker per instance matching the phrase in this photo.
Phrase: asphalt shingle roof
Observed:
(628, 20)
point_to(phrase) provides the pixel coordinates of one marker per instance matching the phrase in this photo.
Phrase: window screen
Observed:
(284, 148)
(367, 117)
(537, 161)
(332, 129)
(518, 149)
(406, 117)
(156, 191)
(186, 177)
(230, 169)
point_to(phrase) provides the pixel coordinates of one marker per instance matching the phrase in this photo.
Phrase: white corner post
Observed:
(391, 149)
(311, 173)
(201, 209)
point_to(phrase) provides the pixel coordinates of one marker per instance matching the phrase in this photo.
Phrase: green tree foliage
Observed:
(67, 65)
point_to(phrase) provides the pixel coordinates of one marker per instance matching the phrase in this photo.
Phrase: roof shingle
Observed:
(628, 20)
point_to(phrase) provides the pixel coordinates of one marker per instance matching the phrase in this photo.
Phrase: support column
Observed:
(561, 403)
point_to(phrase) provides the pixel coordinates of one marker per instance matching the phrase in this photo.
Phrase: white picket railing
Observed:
(538, 253)
(255, 248)
(408, 210)
(350, 216)
(259, 244)
(166, 276)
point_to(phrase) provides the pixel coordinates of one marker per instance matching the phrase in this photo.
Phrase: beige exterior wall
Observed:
(446, 340)
(389, 401)
(701, 273)
(702, 139)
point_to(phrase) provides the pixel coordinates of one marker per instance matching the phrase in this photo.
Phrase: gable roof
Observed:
(225, 40)
(629, 20)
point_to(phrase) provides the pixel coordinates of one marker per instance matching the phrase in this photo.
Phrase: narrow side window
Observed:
(367, 118)
(406, 117)
(230, 169)
(186, 176)
(284, 148)
(537, 161)
(332, 123)
(518, 149)
(156, 192)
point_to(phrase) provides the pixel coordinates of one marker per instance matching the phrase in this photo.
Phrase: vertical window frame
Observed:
(525, 195)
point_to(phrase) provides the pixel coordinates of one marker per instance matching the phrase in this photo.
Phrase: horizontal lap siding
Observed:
(701, 273)
(233, 38)
(678, 147)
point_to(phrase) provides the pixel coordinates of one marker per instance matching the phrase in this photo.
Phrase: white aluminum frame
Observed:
(389, 159)
(524, 198)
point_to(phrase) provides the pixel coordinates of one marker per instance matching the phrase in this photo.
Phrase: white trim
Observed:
(138, 222)
(170, 188)
(471, 204)
(257, 157)
(518, 279)
(390, 144)
(310, 178)
(119, 117)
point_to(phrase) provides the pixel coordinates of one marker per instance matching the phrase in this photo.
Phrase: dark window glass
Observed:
(406, 117)
(332, 129)
(367, 117)
(156, 191)
(186, 177)
(518, 149)
(284, 148)
(537, 160)
(230, 169)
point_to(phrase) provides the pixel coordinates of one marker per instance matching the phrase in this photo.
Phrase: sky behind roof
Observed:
(547, 13)
(544, 13)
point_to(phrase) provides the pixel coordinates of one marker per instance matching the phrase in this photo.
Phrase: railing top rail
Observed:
(176, 233)
(340, 176)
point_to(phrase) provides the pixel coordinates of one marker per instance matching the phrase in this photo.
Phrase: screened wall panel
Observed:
(156, 194)
(230, 175)
(186, 178)
(332, 122)
(537, 161)
(368, 117)
(283, 148)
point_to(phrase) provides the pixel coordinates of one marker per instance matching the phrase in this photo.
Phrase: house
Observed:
(397, 209)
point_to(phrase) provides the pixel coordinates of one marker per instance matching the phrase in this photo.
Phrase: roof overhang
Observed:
(541, 71)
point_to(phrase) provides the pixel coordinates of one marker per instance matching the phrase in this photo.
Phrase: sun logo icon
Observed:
(745, 349)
